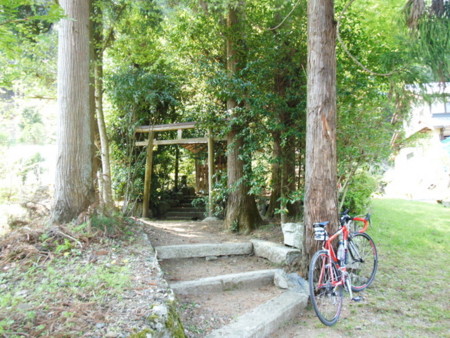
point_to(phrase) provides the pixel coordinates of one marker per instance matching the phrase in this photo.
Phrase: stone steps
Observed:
(185, 210)
(203, 250)
(263, 320)
(225, 282)
(266, 318)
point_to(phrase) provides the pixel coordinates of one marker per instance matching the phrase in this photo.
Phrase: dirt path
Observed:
(208, 311)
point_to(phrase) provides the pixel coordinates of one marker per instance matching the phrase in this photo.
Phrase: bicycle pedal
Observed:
(357, 299)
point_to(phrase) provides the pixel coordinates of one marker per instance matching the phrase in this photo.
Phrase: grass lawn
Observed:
(409, 296)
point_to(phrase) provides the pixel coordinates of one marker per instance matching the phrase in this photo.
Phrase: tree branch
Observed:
(7, 22)
(111, 30)
(285, 18)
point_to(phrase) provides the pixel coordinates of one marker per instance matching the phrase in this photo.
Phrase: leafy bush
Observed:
(360, 190)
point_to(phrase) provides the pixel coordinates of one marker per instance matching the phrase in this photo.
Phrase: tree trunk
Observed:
(107, 196)
(437, 7)
(74, 190)
(105, 177)
(288, 167)
(242, 214)
(320, 166)
(276, 176)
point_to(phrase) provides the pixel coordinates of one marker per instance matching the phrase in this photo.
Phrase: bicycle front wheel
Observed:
(362, 261)
(326, 298)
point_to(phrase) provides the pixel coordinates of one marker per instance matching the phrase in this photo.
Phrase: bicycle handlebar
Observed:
(365, 220)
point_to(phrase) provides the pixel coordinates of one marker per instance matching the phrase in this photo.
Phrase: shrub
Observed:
(360, 190)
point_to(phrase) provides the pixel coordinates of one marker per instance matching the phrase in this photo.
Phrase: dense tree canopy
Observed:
(166, 61)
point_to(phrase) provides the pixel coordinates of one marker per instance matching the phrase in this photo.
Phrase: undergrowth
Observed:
(60, 278)
(41, 241)
(59, 293)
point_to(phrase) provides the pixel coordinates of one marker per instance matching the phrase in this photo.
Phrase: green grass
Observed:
(409, 296)
(64, 289)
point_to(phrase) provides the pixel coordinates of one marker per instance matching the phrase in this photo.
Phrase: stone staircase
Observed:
(266, 318)
(185, 211)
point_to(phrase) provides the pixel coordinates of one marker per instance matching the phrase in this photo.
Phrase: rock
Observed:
(276, 253)
(446, 204)
(291, 281)
(210, 219)
(160, 310)
(293, 234)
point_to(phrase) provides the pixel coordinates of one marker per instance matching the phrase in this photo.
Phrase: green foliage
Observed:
(292, 198)
(432, 43)
(165, 62)
(66, 246)
(187, 41)
(234, 226)
(27, 42)
(360, 191)
(219, 197)
(111, 226)
(139, 97)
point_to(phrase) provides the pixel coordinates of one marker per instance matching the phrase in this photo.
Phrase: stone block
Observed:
(203, 250)
(265, 319)
(243, 280)
(293, 234)
(276, 253)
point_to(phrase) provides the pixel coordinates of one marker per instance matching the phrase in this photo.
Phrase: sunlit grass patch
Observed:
(414, 265)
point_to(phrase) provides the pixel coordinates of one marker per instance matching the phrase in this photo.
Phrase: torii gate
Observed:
(151, 142)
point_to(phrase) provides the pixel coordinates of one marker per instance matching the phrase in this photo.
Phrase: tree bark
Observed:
(242, 214)
(276, 176)
(288, 167)
(74, 190)
(320, 166)
(437, 7)
(106, 196)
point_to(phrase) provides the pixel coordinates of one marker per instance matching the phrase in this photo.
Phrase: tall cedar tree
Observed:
(74, 189)
(242, 214)
(320, 167)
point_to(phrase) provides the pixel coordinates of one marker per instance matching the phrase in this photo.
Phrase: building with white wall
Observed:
(422, 171)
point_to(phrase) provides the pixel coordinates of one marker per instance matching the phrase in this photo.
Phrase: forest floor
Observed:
(73, 281)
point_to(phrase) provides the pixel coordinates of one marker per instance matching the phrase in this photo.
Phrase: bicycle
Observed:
(353, 267)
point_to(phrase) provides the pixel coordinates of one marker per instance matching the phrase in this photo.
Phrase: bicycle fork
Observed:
(348, 284)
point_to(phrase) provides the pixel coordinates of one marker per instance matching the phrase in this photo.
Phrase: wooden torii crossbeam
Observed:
(151, 142)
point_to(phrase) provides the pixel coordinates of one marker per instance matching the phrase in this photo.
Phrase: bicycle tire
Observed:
(326, 299)
(362, 261)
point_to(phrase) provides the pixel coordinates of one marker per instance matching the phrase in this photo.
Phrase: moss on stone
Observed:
(174, 324)
(142, 334)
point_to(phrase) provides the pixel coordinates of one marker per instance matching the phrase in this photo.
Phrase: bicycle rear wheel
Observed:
(325, 298)
(362, 261)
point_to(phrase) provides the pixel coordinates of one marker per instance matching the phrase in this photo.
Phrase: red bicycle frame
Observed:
(329, 247)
